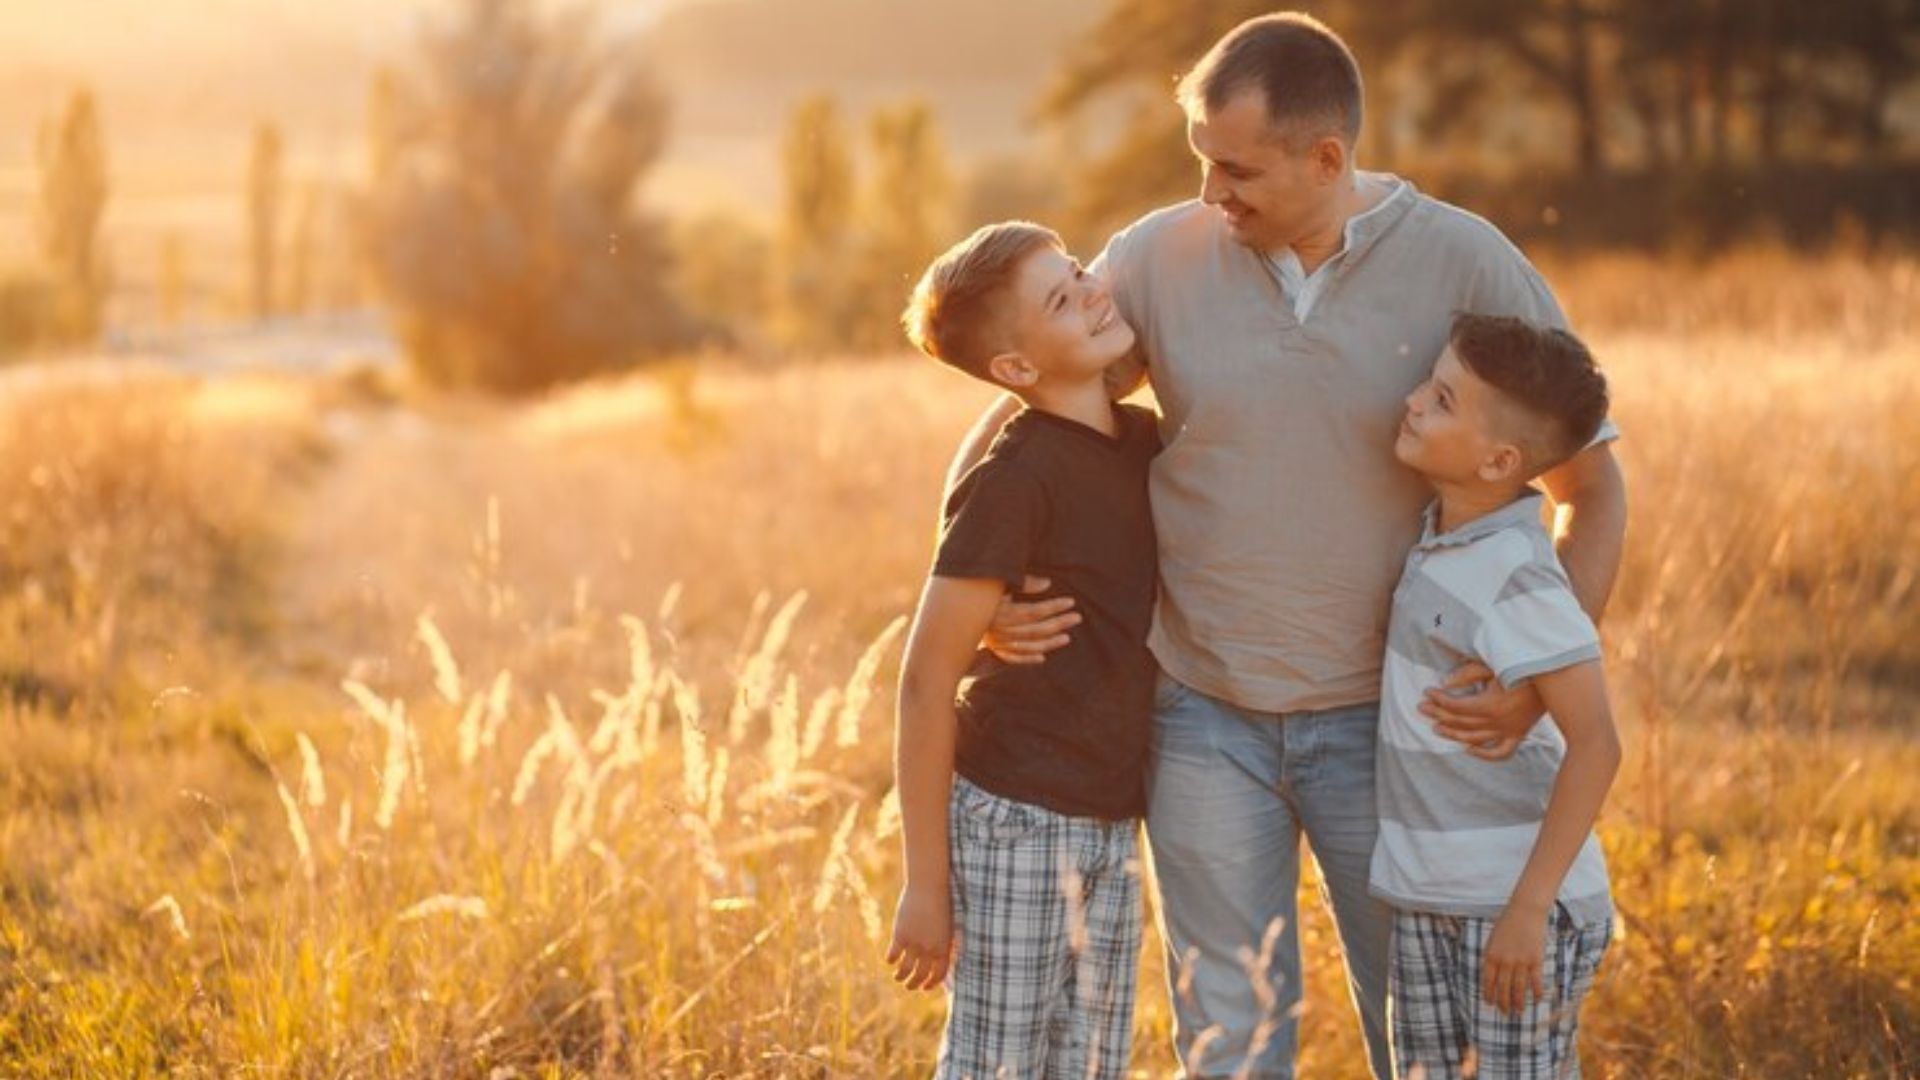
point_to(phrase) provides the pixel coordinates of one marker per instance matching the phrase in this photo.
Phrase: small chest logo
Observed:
(1436, 620)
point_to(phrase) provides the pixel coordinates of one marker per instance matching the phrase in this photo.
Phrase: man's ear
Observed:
(1010, 369)
(1329, 158)
(1503, 462)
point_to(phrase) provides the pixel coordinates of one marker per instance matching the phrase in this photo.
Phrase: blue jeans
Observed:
(1230, 793)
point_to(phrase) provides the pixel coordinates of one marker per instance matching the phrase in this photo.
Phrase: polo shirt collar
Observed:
(1366, 227)
(1521, 512)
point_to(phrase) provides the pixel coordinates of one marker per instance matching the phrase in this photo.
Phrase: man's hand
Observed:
(1024, 633)
(1516, 950)
(1491, 720)
(922, 947)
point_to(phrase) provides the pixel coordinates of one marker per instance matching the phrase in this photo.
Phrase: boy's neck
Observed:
(1461, 504)
(1085, 403)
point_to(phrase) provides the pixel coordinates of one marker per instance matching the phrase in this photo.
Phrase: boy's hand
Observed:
(1024, 633)
(1515, 952)
(922, 947)
(1491, 720)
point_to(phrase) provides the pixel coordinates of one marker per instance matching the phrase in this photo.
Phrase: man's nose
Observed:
(1212, 191)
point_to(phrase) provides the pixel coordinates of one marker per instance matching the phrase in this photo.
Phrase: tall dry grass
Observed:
(563, 747)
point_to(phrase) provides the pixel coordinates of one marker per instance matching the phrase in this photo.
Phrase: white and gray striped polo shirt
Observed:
(1456, 831)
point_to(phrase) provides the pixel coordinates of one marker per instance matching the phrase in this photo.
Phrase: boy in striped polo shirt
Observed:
(1500, 892)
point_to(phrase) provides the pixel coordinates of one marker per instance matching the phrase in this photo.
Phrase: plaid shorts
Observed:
(1440, 1022)
(1047, 911)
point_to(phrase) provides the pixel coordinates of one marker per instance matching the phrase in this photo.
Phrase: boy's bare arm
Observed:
(1493, 721)
(1576, 697)
(953, 613)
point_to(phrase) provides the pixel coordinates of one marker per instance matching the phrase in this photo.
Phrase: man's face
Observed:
(1064, 320)
(1447, 431)
(1270, 195)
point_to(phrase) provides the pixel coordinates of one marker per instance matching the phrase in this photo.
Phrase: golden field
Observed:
(356, 732)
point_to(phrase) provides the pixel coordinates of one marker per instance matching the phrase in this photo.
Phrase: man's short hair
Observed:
(1543, 374)
(1310, 79)
(958, 313)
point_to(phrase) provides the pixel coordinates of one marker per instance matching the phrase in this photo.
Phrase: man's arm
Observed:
(953, 613)
(1590, 497)
(1577, 698)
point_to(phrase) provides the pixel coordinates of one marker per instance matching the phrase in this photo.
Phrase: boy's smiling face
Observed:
(1063, 325)
(1449, 432)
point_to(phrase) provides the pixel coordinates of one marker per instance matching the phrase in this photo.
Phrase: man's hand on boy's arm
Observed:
(953, 613)
(1491, 720)
(1023, 632)
(1577, 698)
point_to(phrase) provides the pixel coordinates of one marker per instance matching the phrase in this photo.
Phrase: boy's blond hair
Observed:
(958, 313)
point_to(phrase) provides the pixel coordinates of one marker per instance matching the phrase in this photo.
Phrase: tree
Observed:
(73, 197)
(722, 269)
(908, 211)
(263, 219)
(816, 228)
(300, 271)
(173, 279)
(499, 221)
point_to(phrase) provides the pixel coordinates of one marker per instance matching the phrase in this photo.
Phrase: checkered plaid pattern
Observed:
(1047, 912)
(1444, 1029)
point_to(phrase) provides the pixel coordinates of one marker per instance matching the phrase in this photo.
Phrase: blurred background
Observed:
(462, 487)
(511, 194)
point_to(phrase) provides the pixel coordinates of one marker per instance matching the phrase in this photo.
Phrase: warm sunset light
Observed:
(521, 522)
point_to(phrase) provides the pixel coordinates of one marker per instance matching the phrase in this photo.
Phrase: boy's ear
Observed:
(1010, 369)
(1502, 463)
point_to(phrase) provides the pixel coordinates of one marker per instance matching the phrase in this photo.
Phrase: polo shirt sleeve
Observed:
(1534, 625)
(992, 525)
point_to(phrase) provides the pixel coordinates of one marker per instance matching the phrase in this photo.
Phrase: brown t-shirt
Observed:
(1282, 515)
(1056, 498)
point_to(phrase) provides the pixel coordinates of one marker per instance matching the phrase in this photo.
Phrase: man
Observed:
(1282, 318)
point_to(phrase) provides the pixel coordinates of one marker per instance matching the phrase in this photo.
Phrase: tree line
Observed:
(1584, 88)
(500, 225)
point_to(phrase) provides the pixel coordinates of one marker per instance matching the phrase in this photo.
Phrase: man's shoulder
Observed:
(1183, 223)
(1460, 231)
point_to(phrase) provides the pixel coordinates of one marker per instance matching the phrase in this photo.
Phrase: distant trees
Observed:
(908, 208)
(499, 218)
(849, 253)
(68, 304)
(263, 219)
(816, 228)
(1633, 84)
